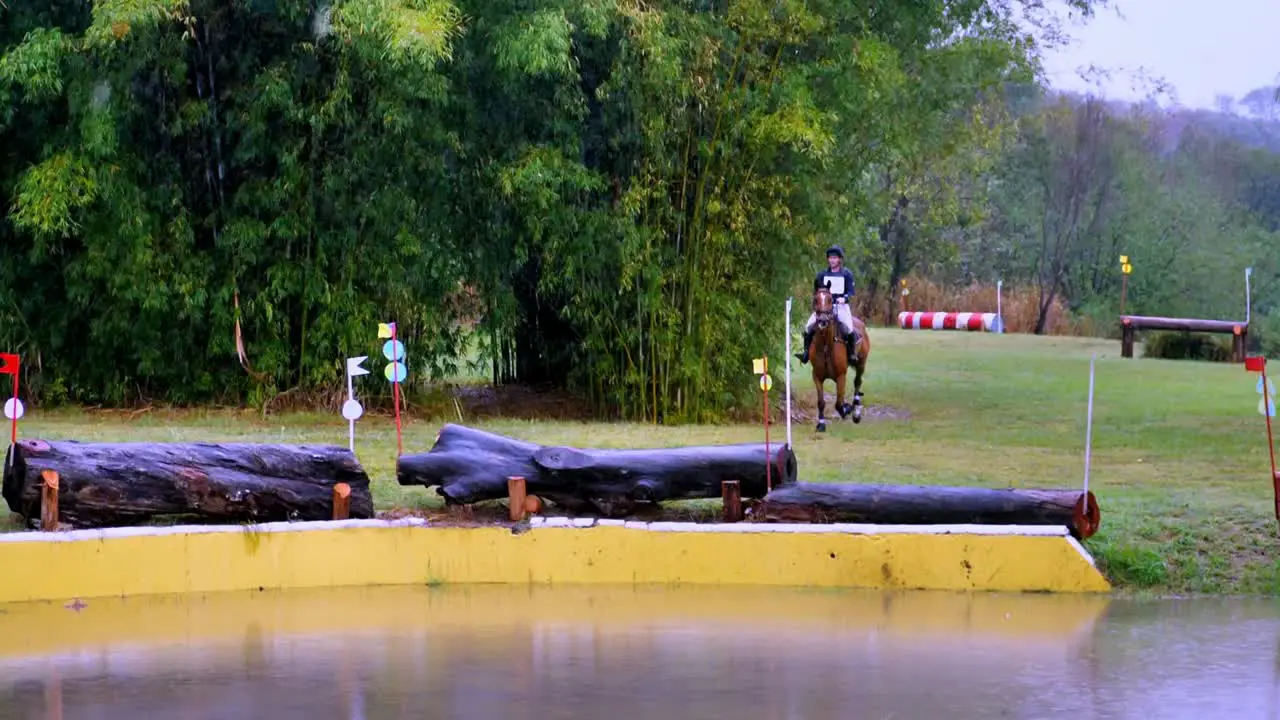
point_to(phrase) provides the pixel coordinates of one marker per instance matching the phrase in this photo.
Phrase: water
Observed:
(507, 653)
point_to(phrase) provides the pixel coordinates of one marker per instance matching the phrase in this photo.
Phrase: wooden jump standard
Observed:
(1130, 324)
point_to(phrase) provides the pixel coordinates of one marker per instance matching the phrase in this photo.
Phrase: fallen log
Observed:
(929, 505)
(468, 465)
(123, 484)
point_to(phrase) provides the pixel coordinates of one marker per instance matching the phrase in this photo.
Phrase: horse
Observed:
(829, 359)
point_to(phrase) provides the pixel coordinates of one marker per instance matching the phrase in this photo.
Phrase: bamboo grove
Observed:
(218, 200)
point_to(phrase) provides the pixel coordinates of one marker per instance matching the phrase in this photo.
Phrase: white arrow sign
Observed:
(353, 366)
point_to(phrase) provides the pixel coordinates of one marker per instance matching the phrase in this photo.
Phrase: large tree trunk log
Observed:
(468, 465)
(930, 505)
(121, 484)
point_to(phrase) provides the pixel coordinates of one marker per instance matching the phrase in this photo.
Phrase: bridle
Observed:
(823, 307)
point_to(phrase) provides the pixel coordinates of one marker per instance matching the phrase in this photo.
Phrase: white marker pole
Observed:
(999, 309)
(351, 422)
(1248, 296)
(788, 345)
(351, 410)
(1088, 434)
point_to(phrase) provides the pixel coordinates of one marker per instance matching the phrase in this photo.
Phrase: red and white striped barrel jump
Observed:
(946, 321)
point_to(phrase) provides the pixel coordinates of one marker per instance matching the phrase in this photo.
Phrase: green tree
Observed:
(212, 150)
(627, 190)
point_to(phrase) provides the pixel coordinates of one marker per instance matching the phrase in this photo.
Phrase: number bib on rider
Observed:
(836, 284)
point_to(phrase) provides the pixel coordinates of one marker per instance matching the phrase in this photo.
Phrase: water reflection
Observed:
(629, 654)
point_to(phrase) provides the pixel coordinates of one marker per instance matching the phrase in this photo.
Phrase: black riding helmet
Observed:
(835, 250)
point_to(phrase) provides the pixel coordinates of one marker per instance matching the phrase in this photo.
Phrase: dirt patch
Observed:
(494, 513)
(458, 516)
(870, 413)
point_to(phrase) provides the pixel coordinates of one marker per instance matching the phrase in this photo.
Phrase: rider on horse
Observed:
(839, 281)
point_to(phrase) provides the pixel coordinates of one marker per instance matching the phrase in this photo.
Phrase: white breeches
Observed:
(844, 316)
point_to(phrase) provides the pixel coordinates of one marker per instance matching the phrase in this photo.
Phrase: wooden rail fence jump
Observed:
(1131, 324)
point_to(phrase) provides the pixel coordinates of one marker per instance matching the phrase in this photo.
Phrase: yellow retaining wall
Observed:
(133, 561)
(35, 635)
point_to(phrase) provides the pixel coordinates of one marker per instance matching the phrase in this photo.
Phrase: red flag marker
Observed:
(393, 350)
(395, 394)
(9, 365)
(1258, 364)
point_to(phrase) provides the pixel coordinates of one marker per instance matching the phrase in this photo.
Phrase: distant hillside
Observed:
(1252, 121)
(1250, 131)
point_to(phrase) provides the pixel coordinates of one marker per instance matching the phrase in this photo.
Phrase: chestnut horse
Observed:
(830, 359)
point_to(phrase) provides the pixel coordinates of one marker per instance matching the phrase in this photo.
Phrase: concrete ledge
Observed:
(187, 559)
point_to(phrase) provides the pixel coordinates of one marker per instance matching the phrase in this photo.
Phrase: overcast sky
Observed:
(1202, 47)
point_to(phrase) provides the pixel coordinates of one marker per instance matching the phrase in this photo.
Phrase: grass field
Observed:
(1179, 466)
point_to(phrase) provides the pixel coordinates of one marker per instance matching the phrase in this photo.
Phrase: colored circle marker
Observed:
(393, 350)
(395, 372)
(766, 382)
(13, 409)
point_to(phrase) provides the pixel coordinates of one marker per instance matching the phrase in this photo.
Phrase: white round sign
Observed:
(13, 409)
(352, 410)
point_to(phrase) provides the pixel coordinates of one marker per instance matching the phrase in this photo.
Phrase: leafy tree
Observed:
(209, 154)
(220, 198)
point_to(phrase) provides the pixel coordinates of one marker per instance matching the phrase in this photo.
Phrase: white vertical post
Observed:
(788, 351)
(999, 308)
(1248, 296)
(1088, 433)
(351, 422)
(351, 409)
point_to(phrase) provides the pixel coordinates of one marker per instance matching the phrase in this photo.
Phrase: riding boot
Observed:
(803, 355)
(851, 344)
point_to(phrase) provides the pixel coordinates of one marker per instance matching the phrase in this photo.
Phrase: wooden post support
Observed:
(532, 505)
(1126, 339)
(731, 494)
(49, 501)
(516, 495)
(1239, 340)
(341, 501)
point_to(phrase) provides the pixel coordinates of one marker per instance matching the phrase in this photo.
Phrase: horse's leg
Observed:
(822, 401)
(841, 375)
(858, 368)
